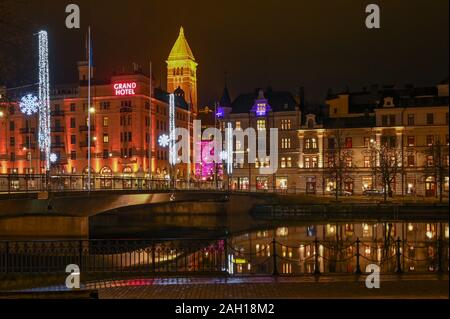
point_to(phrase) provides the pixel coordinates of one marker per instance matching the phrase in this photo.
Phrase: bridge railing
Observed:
(28, 183)
(222, 255)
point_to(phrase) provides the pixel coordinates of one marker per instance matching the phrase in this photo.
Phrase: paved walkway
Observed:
(406, 286)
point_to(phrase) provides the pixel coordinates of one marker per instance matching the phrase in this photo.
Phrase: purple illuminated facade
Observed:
(206, 169)
(261, 106)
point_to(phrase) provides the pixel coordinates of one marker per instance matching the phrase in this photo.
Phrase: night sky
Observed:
(317, 44)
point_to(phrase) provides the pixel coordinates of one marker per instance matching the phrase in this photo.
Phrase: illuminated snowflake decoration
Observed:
(53, 157)
(164, 140)
(29, 104)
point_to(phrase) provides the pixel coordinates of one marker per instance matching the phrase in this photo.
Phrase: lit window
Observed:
(366, 161)
(261, 125)
(238, 125)
(311, 143)
(105, 121)
(289, 162)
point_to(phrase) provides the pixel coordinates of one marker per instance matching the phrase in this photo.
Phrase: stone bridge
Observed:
(67, 215)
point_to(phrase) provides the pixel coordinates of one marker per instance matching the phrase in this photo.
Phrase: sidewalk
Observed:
(407, 286)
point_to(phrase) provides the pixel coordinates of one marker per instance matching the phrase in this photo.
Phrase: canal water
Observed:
(302, 247)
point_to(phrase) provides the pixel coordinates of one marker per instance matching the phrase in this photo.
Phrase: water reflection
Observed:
(341, 248)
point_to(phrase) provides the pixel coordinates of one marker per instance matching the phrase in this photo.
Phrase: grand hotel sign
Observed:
(125, 88)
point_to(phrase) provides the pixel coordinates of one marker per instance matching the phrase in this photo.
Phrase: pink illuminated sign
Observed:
(126, 88)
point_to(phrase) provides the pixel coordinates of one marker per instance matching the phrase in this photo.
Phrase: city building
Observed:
(410, 120)
(262, 110)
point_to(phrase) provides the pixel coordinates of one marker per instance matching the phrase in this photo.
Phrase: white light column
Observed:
(172, 128)
(44, 99)
(230, 149)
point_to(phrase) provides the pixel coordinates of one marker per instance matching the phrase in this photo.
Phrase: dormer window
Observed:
(261, 109)
(388, 102)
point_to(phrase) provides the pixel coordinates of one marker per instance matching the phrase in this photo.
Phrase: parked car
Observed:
(341, 193)
(372, 192)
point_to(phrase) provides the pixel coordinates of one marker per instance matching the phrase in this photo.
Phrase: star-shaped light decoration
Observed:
(53, 157)
(29, 104)
(164, 140)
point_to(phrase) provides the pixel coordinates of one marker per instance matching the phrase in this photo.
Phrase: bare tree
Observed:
(338, 155)
(386, 164)
(437, 165)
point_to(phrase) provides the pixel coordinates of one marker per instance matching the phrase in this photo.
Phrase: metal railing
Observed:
(116, 256)
(15, 183)
(337, 257)
(221, 255)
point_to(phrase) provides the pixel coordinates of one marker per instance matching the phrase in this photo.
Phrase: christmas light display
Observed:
(53, 158)
(29, 104)
(172, 128)
(164, 140)
(229, 148)
(44, 99)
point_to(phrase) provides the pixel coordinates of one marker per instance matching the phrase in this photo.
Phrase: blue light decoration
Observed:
(311, 231)
(261, 106)
(220, 112)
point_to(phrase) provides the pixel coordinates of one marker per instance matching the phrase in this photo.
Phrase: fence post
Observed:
(153, 258)
(226, 253)
(399, 254)
(7, 257)
(316, 257)
(439, 252)
(358, 266)
(274, 250)
(80, 254)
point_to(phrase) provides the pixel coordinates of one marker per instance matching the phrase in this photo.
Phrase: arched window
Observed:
(106, 181)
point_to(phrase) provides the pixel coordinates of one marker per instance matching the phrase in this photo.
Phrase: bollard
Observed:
(358, 266)
(439, 253)
(274, 250)
(316, 258)
(399, 254)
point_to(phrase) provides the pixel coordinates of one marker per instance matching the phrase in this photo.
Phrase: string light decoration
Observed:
(229, 148)
(44, 99)
(29, 104)
(172, 150)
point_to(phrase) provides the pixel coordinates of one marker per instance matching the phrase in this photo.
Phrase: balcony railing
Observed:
(84, 128)
(57, 113)
(28, 146)
(85, 144)
(57, 129)
(58, 145)
(310, 150)
(27, 130)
